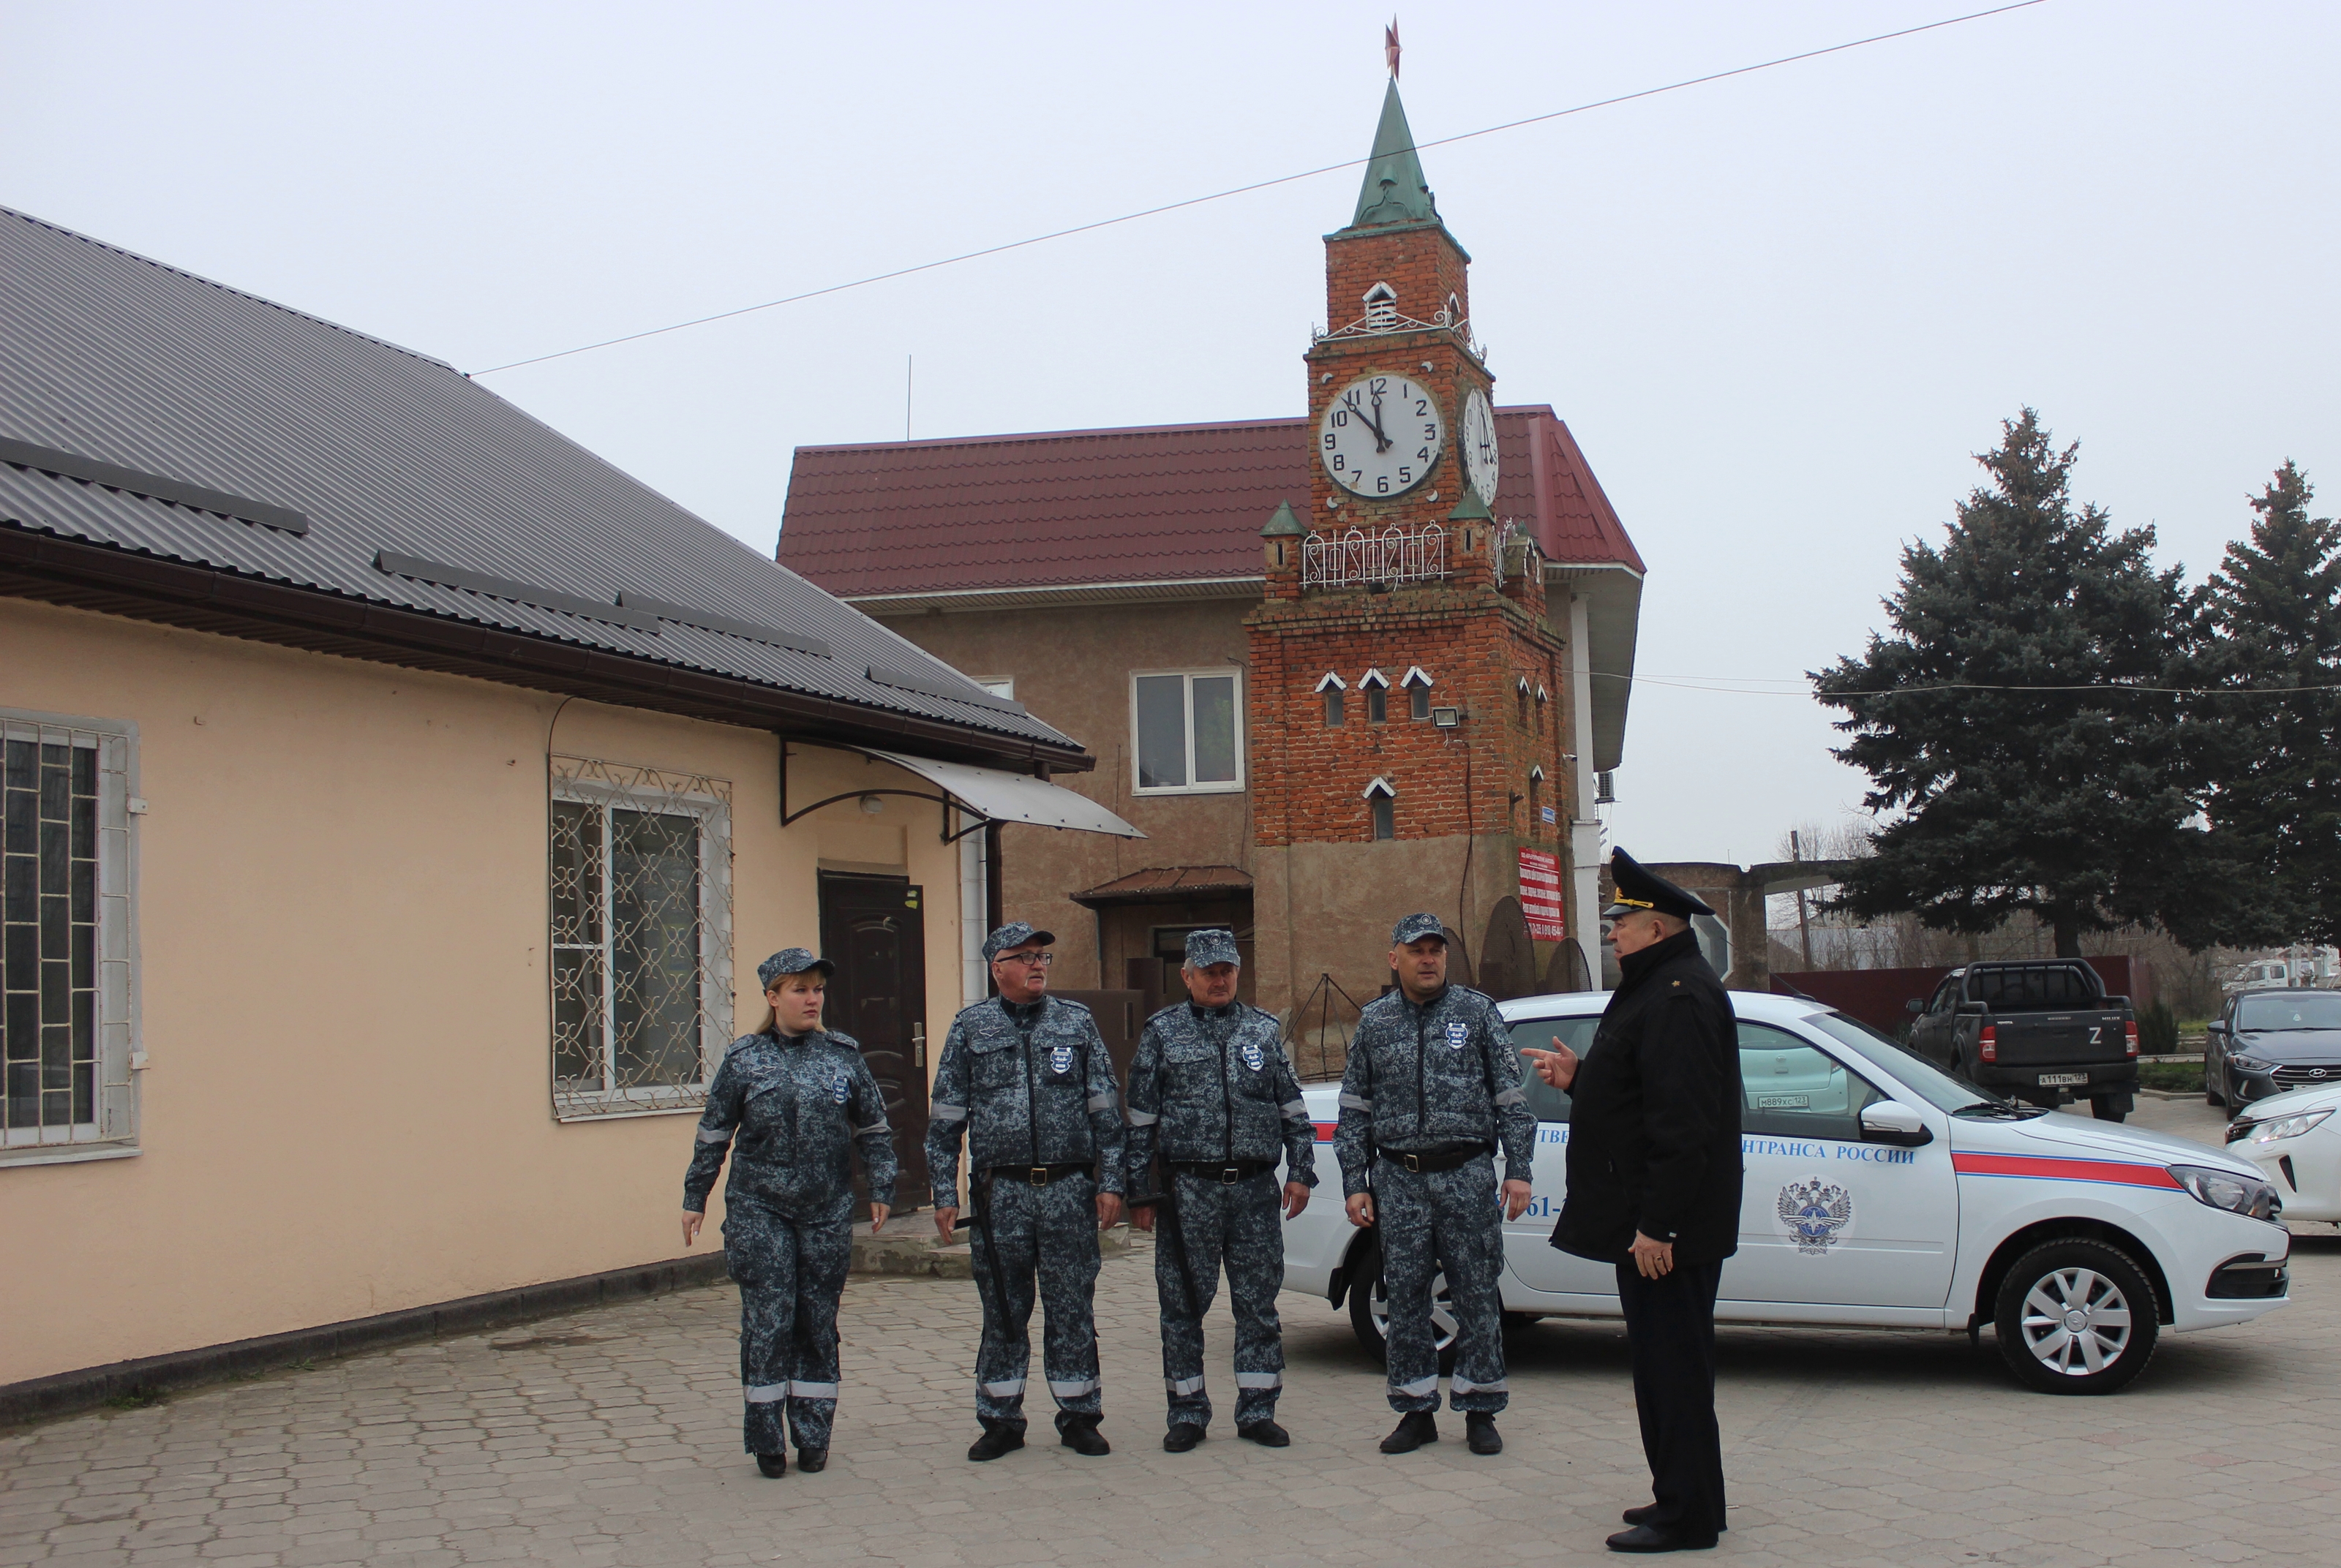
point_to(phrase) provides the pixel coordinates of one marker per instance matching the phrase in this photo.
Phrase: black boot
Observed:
(1267, 1434)
(995, 1442)
(1414, 1429)
(1080, 1433)
(813, 1461)
(1479, 1432)
(773, 1466)
(1183, 1436)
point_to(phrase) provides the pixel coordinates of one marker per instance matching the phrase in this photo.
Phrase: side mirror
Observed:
(1889, 1121)
(1915, 1004)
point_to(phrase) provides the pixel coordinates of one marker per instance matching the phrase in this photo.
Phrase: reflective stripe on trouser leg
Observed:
(1403, 1219)
(1253, 1254)
(1065, 1221)
(1469, 1239)
(1186, 1260)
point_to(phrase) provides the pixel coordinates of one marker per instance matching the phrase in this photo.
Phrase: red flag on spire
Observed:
(1389, 47)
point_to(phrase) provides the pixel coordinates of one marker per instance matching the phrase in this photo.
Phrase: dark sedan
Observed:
(2267, 1042)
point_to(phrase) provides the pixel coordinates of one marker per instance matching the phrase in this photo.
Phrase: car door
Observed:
(1528, 1247)
(1828, 1218)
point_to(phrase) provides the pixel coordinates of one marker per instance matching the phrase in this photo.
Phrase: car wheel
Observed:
(2076, 1316)
(1370, 1316)
(2211, 1095)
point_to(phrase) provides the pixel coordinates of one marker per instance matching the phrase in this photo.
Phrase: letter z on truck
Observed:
(1883, 1192)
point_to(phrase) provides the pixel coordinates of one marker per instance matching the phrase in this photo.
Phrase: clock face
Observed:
(1478, 445)
(1381, 435)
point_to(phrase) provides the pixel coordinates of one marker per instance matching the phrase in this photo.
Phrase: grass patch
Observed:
(2182, 1077)
(136, 1399)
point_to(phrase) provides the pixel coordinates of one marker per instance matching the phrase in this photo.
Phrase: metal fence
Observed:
(1355, 558)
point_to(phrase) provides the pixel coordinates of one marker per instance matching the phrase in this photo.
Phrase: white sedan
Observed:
(2296, 1141)
(1883, 1193)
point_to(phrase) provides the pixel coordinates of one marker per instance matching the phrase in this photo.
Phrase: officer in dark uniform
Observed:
(1026, 1076)
(1654, 1178)
(1212, 1085)
(1431, 1089)
(788, 1102)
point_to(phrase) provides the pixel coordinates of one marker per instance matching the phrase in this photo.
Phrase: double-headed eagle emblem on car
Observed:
(1814, 1211)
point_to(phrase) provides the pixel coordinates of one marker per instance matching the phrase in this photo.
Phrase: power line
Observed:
(1257, 185)
(1698, 683)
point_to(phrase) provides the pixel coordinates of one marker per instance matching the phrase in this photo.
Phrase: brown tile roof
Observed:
(1160, 882)
(1156, 503)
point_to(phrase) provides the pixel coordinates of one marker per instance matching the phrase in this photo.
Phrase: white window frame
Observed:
(584, 782)
(1187, 694)
(119, 1047)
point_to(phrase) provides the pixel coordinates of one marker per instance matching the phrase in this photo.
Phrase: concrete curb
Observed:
(63, 1392)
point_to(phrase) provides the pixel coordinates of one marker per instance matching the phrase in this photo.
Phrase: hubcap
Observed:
(1442, 1310)
(2075, 1321)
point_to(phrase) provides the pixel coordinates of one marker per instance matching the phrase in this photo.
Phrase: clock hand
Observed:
(1374, 421)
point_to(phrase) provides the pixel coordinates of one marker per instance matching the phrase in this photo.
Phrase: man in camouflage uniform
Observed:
(1211, 1084)
(793, 1100)
(1431, 1089)
(1026, 1076)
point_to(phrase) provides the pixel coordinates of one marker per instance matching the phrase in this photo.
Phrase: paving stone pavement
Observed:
(611, 1438)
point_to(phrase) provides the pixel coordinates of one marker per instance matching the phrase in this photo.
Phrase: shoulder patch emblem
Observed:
(1457, 1033)
(1253, 1056)
(840, 1089)
(1060, 1060)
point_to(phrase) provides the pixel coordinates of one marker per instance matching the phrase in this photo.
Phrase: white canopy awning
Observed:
(998, 796)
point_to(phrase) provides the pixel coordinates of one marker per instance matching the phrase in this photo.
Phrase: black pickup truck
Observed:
(2039, 1030)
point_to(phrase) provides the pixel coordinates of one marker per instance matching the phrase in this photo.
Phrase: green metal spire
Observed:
(1394, 192)
(1282, 522)
(1470, 509)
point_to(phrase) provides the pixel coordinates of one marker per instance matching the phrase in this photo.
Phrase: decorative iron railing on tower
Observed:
(1355, 558)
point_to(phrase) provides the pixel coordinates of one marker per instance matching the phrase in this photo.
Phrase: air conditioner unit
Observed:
(1605, 789)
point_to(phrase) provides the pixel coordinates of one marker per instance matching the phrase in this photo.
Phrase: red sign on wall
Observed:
(1540, 894)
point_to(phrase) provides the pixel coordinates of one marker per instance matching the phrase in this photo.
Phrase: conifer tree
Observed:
(2274, 762)
(2010, 725)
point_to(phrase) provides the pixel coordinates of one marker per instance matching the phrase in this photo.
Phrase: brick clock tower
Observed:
(1407, 683)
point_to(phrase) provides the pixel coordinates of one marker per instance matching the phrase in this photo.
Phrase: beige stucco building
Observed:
(399, 801)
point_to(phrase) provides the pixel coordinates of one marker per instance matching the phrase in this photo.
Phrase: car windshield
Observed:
(1922, 1077)
(2291, 1010)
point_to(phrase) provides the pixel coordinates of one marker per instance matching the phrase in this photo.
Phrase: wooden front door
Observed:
(874, 929)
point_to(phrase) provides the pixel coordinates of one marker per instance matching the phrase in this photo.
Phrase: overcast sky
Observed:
(1780, 312)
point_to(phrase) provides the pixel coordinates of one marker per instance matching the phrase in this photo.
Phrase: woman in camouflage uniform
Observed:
(795, 1097)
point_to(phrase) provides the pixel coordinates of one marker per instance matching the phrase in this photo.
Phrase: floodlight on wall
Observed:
(1605, 789)
(1447, 718)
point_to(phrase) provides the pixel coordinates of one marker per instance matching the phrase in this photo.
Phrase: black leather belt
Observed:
(1039, 1175)
(1424, 1162)
(1226, 1174)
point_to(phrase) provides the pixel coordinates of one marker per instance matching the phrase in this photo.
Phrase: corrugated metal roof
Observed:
(1153, 504)
(123, 360)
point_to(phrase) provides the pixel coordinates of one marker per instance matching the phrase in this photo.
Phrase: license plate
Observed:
(2062, 1080)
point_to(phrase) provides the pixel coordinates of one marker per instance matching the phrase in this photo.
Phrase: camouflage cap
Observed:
(1205, 948)
(1415, 926)
(792, 961)
(1014, 934)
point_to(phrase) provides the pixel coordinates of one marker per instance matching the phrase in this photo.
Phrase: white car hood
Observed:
(2093, 1139)
(2292, 1102)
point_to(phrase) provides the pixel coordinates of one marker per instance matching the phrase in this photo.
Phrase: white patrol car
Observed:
(1884, 1193)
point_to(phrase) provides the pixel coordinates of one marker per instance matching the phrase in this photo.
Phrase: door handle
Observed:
(919, 1045)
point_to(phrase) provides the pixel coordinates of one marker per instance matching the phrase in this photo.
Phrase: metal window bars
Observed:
(639, 872)
(1355, 558)
(66, 1036)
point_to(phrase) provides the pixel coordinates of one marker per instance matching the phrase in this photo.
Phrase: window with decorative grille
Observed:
(640, 870)
(66, 987)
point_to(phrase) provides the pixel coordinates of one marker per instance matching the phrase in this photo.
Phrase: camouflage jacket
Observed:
(787, 1107)
(1215, 1086)
(1422, 1077)
(1028, 1084)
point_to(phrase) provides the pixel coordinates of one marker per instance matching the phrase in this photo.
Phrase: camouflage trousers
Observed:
(1045, 1235)
(791, 1275)
(1211, 1225)
(1446, 1222)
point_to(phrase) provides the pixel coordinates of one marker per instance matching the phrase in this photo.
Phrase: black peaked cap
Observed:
(1638, 889)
